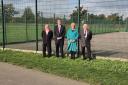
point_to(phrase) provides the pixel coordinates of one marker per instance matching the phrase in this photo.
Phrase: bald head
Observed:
(85, 27)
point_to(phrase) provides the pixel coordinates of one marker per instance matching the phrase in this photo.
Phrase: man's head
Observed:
(59, 22)
(73, 25)
(85, 27)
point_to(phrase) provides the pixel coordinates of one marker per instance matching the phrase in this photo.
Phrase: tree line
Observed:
(88, 17)
(29, 16)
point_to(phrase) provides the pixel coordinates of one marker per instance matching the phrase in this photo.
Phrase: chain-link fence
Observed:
(21, 23)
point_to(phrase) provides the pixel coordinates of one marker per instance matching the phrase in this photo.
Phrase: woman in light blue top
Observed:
(72, 37)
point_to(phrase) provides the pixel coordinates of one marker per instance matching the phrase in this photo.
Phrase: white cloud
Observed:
(65, 7)
(107, 6)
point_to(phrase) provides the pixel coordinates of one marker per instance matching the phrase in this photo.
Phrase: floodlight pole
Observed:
(3, 23)
(36, 25)
(78, 26)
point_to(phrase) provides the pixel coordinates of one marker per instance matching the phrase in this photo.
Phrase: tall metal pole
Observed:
(26, 21)
(64, 20)
(54, 19)
(3, 24)
(126, 30)
(78, 25)
(5, 28)
(36, 25)
(42, 18)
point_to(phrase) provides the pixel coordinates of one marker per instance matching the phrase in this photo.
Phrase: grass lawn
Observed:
(16, 32)
(96, 72)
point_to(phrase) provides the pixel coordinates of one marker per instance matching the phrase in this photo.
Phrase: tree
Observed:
(9, 12)
(28, 15)
(101, 16)
(85, 16)
(74, 15)
(126, 19)
(114, 17)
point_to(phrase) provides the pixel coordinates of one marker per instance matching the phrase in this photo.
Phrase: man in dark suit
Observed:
(47, 36)
(59, 33)
(85, 40)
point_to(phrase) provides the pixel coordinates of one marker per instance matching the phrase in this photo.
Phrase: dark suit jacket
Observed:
(62, 32)
(85, 41)
(47, 38)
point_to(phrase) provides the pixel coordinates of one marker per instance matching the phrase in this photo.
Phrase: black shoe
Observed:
(44, 55)
(73, 58)
(57, 56)
(49, 55)
(84, 58)
(94, 56)
(90, 59)
(62, 56)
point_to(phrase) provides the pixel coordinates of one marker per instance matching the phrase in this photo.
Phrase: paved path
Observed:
(14, 75)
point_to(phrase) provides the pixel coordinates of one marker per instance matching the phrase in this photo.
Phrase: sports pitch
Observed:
(19, 32)
(108, 45)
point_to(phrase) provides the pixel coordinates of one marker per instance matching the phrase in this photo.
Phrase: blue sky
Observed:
(65, 7)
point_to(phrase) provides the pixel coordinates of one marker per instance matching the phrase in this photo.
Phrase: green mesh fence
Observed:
(106, 18)
(1, 31)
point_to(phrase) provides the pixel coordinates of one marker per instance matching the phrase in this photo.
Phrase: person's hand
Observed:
(85, 36)
(58, 38)
(71, 41)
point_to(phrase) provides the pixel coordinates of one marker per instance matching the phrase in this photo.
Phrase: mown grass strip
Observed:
(96, 72)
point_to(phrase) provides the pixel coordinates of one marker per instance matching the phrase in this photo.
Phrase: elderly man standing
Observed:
(85, 40)
(59, 33)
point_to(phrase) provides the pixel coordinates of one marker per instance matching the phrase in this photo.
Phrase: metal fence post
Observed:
(64, 20)
(126, 30)
(36, 10)
(54, 20)
(78, 26)
(5, 28)
(42, 19)
(3, 23)
(26, 22)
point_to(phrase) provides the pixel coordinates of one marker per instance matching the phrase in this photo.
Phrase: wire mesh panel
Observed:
(24, 21)
(108, 22)
(51, 10)
(19, 23)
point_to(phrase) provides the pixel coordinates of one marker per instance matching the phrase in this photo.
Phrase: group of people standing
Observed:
(72, 35)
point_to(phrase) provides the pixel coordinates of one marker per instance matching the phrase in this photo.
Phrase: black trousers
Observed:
(88, 47)
(59, 47)
(49, 50)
